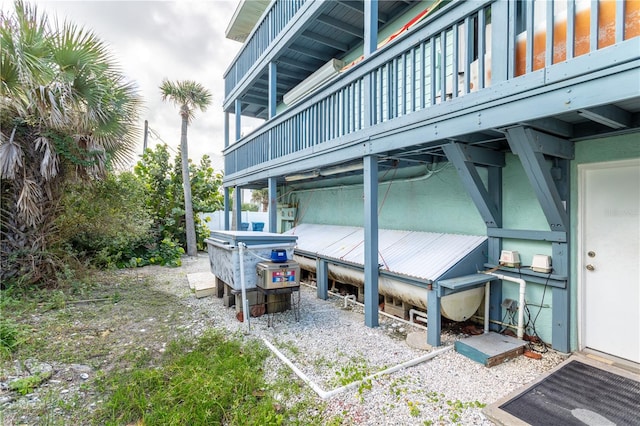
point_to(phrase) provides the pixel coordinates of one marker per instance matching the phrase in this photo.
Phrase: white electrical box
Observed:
(510, 258)
(541, 263)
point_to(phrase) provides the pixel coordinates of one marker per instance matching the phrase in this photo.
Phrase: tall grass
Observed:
(214, 380)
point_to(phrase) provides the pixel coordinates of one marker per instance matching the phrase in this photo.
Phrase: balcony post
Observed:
(237, 202)
(501, 27)
(370, 27)
(273, 205)
(226, 129)
(273, 79)
(371, 241)
(238, 119)
(226, 208)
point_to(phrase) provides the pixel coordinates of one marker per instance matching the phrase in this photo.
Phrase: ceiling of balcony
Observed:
(335, 31)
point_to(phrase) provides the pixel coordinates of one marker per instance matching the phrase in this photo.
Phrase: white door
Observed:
(608, 258)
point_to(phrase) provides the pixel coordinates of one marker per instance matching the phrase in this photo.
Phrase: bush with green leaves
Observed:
(164, 199)
(105, 223)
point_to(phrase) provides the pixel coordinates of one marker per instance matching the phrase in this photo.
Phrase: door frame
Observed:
(580, 262)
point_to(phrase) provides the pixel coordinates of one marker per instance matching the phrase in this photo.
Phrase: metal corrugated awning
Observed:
(424, 256)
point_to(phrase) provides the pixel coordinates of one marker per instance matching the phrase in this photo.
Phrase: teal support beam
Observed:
(464, 159)
(226, 209)
(370, 27)
(238, 119)
(273, 80)
(433, 317)
(546, 161)
(273, 205)
(531, 147)
(322, 279)
(226, 129)
(237, 202)
(371, 270)
(494, 245)
(561, 314)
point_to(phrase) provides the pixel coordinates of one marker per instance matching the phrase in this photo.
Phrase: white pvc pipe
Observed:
(245, 301)
(328, 394)
(419, 316)
(271, 246)
(393, 317)
(349, 297)
(523, 287)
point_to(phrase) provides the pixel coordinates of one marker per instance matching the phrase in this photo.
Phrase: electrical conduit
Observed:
(523, 287)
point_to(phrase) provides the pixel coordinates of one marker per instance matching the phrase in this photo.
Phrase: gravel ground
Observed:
(329, 341)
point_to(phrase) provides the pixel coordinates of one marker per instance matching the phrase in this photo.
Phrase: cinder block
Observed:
(253, 297)
(396, 307)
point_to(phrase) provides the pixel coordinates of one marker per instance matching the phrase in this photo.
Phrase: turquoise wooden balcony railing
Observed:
(507, 48)
(276, 18)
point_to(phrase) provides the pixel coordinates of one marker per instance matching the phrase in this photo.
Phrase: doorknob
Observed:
(590, 267)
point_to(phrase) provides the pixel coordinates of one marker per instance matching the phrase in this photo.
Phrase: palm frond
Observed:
(188, 95)
(29, 202)
(10, 158)
(50, 161)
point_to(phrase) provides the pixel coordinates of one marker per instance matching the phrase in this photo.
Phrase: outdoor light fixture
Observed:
(324, 73)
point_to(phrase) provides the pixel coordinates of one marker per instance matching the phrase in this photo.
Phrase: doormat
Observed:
(578, 394)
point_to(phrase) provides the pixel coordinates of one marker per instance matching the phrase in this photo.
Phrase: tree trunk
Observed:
(190, 227)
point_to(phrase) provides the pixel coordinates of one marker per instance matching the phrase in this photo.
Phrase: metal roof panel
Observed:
(421, 255)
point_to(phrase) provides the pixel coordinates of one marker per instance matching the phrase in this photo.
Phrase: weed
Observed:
(290, 346)
(213, 380)
(457, 407)
(116, 297)
(414, 409)
(9, 337)
(357, 369)
(27, 384)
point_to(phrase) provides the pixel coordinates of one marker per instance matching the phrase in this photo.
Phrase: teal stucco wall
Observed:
(438, 202)
(435, 202)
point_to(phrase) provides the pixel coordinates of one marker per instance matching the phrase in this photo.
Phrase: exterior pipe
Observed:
(245, 301)
(393, 317)
(419, 316)
(349, 297)
(328, 394)
(504, 324)
(523, 286)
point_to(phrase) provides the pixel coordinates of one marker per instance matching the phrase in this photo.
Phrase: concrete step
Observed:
(203, 284)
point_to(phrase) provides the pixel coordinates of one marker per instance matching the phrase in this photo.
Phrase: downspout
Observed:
(523, 286)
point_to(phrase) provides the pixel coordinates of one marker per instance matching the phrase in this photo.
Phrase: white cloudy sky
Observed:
(179, 40)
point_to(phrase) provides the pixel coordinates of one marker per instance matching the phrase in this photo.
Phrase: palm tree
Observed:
(189, 96)
(65, 112)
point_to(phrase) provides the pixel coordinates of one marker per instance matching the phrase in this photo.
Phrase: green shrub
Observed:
(9, 337)
(106, 222)
(162, 181)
